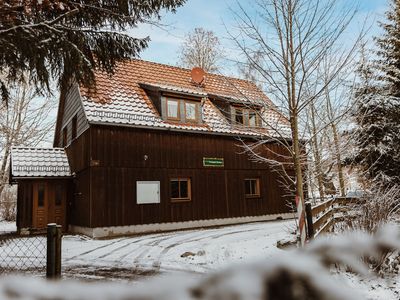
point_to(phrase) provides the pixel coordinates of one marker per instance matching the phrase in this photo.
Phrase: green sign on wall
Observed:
(213, 162)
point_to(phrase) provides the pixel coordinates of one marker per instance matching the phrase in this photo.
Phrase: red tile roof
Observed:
(122, 99)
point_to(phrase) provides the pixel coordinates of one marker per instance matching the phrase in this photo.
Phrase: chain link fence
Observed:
(22, 254)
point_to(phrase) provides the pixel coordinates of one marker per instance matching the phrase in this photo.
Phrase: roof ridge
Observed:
(187, 69)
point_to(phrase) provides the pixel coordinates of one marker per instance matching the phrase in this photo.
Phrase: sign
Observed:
(213, 162)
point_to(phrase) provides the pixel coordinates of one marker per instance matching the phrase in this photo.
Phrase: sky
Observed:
(216, 15)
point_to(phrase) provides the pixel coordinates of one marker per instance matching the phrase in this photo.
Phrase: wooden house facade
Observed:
(151, 149)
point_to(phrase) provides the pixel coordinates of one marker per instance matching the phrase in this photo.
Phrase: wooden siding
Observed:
(72, 107)
(215, 194)
(78, 153)
(24, 204)
(118, 161)
(127, 147)
(79, 206)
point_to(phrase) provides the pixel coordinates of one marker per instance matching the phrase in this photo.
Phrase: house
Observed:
(153, 147)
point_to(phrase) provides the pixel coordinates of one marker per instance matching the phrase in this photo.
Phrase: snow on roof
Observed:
(39, 162)
(122, 99)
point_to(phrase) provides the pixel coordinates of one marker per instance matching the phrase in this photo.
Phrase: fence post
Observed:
(310, 225)
(58, 251)
(53, 263)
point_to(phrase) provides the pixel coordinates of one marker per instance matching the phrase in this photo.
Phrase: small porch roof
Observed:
(27, 162)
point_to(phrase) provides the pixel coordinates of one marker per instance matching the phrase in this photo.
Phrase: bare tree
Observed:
(248, 71)
(295, 37)
(201, 48)
(24, 121)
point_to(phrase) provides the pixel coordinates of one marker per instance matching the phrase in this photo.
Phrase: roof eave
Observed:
(176, 129)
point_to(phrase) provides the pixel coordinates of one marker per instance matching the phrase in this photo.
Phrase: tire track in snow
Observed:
(140, 239)
(157, 263)
(95, 249)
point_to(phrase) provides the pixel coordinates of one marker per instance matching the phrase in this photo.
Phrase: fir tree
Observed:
(66, 39)
(378, 107)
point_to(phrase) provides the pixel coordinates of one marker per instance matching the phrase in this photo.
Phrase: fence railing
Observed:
(322, 217)
(37, 254)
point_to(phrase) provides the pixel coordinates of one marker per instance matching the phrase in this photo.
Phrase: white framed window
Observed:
(191, 111)
(173, 111)
(147, 192)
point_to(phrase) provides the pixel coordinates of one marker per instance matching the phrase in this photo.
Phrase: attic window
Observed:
(190, 111)
(183, 110)
(246, 116)
(239, 116)
(173, 110)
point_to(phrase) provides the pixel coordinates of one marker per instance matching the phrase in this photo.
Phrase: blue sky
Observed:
(212, 15)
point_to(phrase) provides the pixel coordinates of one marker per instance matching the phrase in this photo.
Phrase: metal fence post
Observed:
(53, 263)
(310, 225)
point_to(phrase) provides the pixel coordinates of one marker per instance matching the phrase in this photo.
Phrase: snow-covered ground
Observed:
(194, 252)
(7, 226)
(190, 251)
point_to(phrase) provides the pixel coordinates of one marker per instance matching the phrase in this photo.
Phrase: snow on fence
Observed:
(22, 254)
(322, 217)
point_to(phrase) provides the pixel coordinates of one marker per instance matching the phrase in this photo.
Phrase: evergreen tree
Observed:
(378, 107)
(66, 39)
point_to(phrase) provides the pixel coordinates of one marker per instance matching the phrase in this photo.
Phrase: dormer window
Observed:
(239, 119)
(182, 110)
(253, 119)
(173, 109)
(191, 111)
(246, 116)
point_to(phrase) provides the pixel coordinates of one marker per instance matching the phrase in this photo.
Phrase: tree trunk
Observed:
(338, 160)
(336, 143)
(316, 152)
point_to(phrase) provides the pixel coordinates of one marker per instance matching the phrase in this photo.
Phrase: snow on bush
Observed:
(376, 208)
(295, 274)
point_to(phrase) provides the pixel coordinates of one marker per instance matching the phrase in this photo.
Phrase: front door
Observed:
(49, 200)
(40, 205)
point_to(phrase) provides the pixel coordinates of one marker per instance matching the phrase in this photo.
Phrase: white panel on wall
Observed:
(147, 192)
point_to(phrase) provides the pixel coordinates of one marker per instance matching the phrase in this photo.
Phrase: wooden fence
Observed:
(322, 217)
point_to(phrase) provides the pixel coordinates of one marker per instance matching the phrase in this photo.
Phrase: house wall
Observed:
(107, 185)
(24, 204)
(72, 107)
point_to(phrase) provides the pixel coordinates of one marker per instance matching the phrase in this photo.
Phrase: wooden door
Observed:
(40, 205)
(57, 203)
(49, 203)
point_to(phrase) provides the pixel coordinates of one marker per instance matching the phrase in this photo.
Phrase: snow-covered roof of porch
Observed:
(39, 162)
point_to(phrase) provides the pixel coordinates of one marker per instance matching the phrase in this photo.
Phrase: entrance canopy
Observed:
(29, 162)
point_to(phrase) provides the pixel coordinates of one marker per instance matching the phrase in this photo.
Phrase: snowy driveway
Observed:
(193, 251)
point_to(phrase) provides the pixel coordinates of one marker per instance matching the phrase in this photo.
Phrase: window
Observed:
(173, 112)
(182, 110)
(248, 117)
(180, 189)
(190, 111)
(252, 187)
(65, 137)
(59, 194)
(239, 116)
(147, 192)
(40, 194)
(74, 127)
(253, 119)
